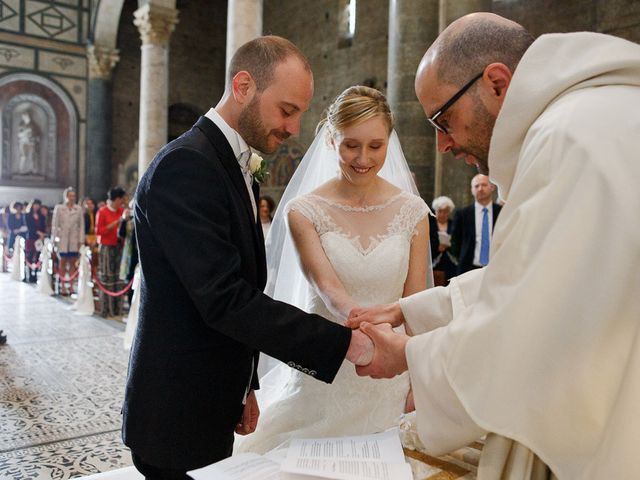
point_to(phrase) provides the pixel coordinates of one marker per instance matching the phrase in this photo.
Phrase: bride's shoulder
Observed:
(326, 191)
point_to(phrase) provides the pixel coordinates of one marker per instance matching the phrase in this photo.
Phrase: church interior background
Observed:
(91, 89)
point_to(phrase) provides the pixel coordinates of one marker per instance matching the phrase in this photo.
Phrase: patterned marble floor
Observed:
(61, 386)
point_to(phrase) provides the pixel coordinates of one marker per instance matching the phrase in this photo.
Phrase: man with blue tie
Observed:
(473, 225)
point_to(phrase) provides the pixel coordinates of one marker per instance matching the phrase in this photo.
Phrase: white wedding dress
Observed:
(369, 250)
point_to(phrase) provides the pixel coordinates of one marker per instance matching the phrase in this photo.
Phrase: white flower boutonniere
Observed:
(258, 167)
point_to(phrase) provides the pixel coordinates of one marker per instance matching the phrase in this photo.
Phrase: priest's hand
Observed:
(360, 350)
(250, 414)
(391, 314)
(389, 357)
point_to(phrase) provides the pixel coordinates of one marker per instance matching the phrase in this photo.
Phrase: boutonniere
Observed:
(258, 167)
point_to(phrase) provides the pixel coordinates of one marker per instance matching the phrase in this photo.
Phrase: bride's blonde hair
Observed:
(353, 106)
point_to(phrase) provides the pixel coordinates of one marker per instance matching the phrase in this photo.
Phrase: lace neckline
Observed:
(349, 208)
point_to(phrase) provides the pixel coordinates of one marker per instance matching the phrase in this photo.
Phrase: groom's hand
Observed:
(389, 357)
(250, 414)
(360, 350)
(391, 314)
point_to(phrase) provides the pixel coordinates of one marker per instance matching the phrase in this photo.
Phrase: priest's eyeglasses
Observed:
(433, 119)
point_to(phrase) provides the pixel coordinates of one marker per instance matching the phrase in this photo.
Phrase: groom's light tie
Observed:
(484, 242)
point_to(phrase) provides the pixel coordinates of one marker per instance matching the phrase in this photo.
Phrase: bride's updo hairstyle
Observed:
(353, 106)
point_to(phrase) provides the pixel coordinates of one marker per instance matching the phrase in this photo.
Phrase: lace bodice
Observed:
(369, 251)
(368, 247)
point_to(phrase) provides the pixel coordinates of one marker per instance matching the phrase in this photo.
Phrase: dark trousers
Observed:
(156, 473)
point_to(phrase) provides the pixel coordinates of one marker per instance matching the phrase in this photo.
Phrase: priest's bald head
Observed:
(463, 78)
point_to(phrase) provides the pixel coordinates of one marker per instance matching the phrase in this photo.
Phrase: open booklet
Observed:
(367, 457)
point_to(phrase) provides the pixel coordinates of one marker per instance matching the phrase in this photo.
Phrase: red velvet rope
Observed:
(33, 266)
(112, 294)
(67, 279)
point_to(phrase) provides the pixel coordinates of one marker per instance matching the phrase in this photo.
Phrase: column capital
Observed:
(155, 24)
(101, 61)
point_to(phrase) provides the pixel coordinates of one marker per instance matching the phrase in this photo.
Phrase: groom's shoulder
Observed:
(190, 149)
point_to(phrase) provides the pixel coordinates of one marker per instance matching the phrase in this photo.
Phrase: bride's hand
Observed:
(391, 313)
(360, 350)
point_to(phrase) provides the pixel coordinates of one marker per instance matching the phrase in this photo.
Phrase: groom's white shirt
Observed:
(241, 150)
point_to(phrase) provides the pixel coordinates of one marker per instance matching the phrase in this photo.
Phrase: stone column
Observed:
(413, 26)
(453, 177)
(155, 24)
(244, 23)
(99, 118)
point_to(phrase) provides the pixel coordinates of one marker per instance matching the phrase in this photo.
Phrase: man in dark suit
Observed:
(203, 317)
(473, 226)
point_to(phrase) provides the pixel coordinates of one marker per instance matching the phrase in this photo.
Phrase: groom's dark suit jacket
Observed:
(203, 316)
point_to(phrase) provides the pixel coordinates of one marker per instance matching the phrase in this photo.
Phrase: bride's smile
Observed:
(362, 149)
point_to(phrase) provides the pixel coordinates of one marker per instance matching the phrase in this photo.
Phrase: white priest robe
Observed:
(542, 346)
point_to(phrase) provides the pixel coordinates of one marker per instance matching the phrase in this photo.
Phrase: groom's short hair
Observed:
(261, 56)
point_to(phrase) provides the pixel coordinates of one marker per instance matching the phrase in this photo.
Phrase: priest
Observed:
(541, 348)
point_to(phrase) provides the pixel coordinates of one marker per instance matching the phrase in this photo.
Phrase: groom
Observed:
(203, 317)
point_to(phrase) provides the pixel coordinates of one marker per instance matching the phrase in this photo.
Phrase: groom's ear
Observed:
(243, 87)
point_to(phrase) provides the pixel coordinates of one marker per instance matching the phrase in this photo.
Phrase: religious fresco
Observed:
(281, 166)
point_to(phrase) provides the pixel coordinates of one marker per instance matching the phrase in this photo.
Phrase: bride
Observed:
(355, 234)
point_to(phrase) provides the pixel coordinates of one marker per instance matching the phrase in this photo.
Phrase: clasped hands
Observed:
(375, 349)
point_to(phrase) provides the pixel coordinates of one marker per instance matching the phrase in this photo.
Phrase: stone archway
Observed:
(106, 20)
(39, 132)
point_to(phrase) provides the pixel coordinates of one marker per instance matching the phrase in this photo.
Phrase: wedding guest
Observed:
(36, 230)
(110, 251)
(46, 214)
(473, 226)
(67, 230)
(443, 260)
(127, 236)
(4, 215)
(89, 206)
(16, 223)
(267, 207)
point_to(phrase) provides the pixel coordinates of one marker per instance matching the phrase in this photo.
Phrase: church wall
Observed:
(46, 39)
(613, 17)
(196, 76)
(314, 26)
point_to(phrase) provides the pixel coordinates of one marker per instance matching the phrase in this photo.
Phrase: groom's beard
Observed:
(253, 131)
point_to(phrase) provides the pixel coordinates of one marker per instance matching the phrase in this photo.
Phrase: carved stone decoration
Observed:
(29, 139)
(101, 61)
(38, 133)
(155, 24)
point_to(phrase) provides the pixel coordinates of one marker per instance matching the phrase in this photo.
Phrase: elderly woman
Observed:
(443, 260)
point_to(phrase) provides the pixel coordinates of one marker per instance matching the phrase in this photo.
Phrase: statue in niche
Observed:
(28, 143)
